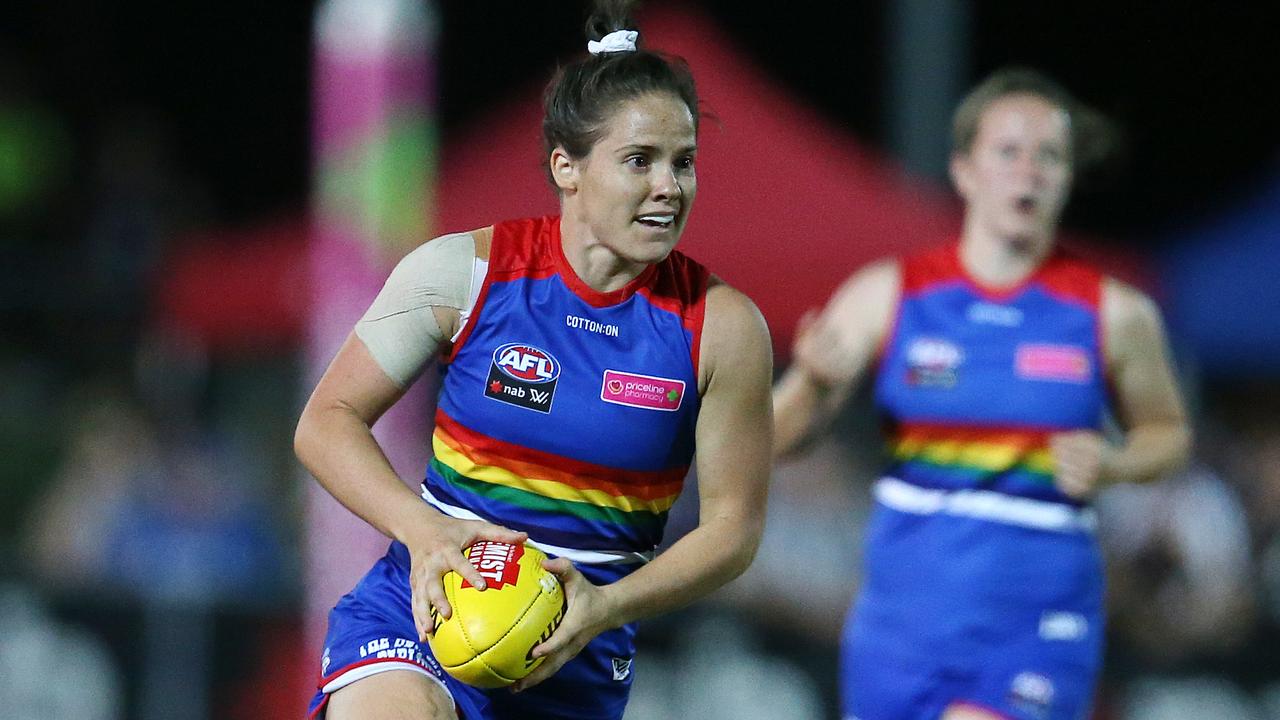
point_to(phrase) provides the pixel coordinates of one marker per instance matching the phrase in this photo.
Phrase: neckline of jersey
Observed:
(579, 287)
(991, 292)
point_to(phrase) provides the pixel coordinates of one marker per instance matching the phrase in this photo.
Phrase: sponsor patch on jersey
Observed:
(1058, 363)
(498, 563)
(986, 313)
(593, 326)
(932, 362)
(523, 375)
(641, 391)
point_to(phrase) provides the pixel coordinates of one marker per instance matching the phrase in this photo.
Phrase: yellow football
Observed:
(488, 640)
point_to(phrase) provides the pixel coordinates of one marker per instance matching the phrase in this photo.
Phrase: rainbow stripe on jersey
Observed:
(565, 412)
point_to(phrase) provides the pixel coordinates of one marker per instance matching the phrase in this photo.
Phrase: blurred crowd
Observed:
(152, 518)
(149, 487)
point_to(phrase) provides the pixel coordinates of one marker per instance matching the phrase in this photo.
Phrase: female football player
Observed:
(585, 361)
(995, 360)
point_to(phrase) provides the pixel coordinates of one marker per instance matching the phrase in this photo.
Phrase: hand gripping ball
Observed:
(489, 639)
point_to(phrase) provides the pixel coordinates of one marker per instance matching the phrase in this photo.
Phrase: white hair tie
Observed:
(616, 41)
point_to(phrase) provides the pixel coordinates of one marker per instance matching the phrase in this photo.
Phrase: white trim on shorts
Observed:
(984, 505)
(589, 557)
(363, 671)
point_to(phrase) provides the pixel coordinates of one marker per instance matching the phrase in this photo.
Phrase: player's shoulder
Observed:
(1126, 306)
(735, 336)
(732, 320)
(878, 282)
(728, 306)
(438, 257)
(453, 241)
(881, 273)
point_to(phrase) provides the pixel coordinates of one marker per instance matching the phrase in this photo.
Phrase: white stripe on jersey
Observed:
(984, 505)
(590, 557)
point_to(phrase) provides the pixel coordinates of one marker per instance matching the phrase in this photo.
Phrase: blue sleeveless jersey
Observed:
(983, 582)
(972, 382)
(566, 412)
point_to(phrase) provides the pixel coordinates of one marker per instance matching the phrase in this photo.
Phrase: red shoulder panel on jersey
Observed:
(1072, 279)
(931, 267)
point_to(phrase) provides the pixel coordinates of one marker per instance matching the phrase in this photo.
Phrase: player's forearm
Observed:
(341, 452)
(799, 413)
(697, 564)
(1150, 452)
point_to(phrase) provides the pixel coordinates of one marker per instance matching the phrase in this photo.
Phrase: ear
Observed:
(564, 170)
(960, 169)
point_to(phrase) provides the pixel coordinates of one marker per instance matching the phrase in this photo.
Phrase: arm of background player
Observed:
(335, 442)
(733, 439)
(831, 354)
(1150, 408)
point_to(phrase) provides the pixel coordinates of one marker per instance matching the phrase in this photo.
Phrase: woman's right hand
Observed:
(435, 549)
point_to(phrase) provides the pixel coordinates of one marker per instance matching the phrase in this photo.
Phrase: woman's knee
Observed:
(391, 695)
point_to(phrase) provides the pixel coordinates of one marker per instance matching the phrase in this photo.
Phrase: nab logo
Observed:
(523, 375)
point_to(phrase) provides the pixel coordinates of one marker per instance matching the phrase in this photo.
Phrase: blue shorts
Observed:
(371, 630)
(966, 611)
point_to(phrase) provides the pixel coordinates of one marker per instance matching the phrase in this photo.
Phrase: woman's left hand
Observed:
(1080, 460)
(588, 615)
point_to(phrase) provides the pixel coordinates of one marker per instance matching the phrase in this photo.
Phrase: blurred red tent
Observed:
(238, 291)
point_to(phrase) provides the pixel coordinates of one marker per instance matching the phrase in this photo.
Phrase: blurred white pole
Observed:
(929, 51)
(374, 162)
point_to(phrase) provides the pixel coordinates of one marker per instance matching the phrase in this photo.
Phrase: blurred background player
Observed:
(996, 362)
(585, 359)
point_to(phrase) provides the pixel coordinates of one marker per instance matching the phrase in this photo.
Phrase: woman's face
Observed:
(1016, 176)
(635, 188)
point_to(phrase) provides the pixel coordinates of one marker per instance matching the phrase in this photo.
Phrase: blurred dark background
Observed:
(152, 518)
(1190, 82)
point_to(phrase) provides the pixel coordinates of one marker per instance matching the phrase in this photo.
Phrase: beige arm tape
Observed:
(399, 328)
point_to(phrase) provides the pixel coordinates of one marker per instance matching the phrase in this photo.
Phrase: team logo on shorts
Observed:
(1064, 626)
(932, 362)
(1032, 693)
(621, 668)
(523, 375)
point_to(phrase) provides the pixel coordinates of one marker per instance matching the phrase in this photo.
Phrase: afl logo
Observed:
(932, 362)
(934, 353)
(526, 363)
